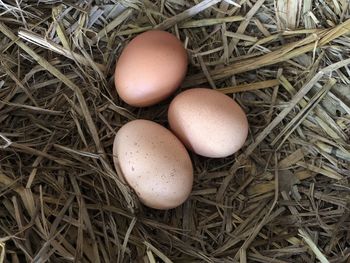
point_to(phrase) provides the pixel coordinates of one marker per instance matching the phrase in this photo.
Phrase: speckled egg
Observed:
(208, 122)
(150, 68)
(154, 163)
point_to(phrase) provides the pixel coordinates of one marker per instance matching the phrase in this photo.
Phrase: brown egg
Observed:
(208, 122)
(150, 68)
(154, 163)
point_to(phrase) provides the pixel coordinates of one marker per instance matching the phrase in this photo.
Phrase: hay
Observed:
(283, 198)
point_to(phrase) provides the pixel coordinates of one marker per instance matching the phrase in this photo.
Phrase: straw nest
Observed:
(284, 197)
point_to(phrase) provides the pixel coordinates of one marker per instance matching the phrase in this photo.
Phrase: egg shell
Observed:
(208, 122)
(154, 163)
(150, 68)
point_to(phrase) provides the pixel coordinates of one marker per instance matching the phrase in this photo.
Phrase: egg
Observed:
(208, 122)
(150, 68)
(154, 163)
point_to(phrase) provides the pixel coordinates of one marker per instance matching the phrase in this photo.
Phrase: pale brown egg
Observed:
(208, 122)
(150, 68)
(154, 163)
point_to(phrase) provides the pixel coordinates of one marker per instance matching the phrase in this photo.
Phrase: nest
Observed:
(283, 198)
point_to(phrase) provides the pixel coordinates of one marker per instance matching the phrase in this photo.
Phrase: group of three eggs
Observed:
(154, 160)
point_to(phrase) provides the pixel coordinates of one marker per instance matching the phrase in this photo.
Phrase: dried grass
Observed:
(283, 198)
